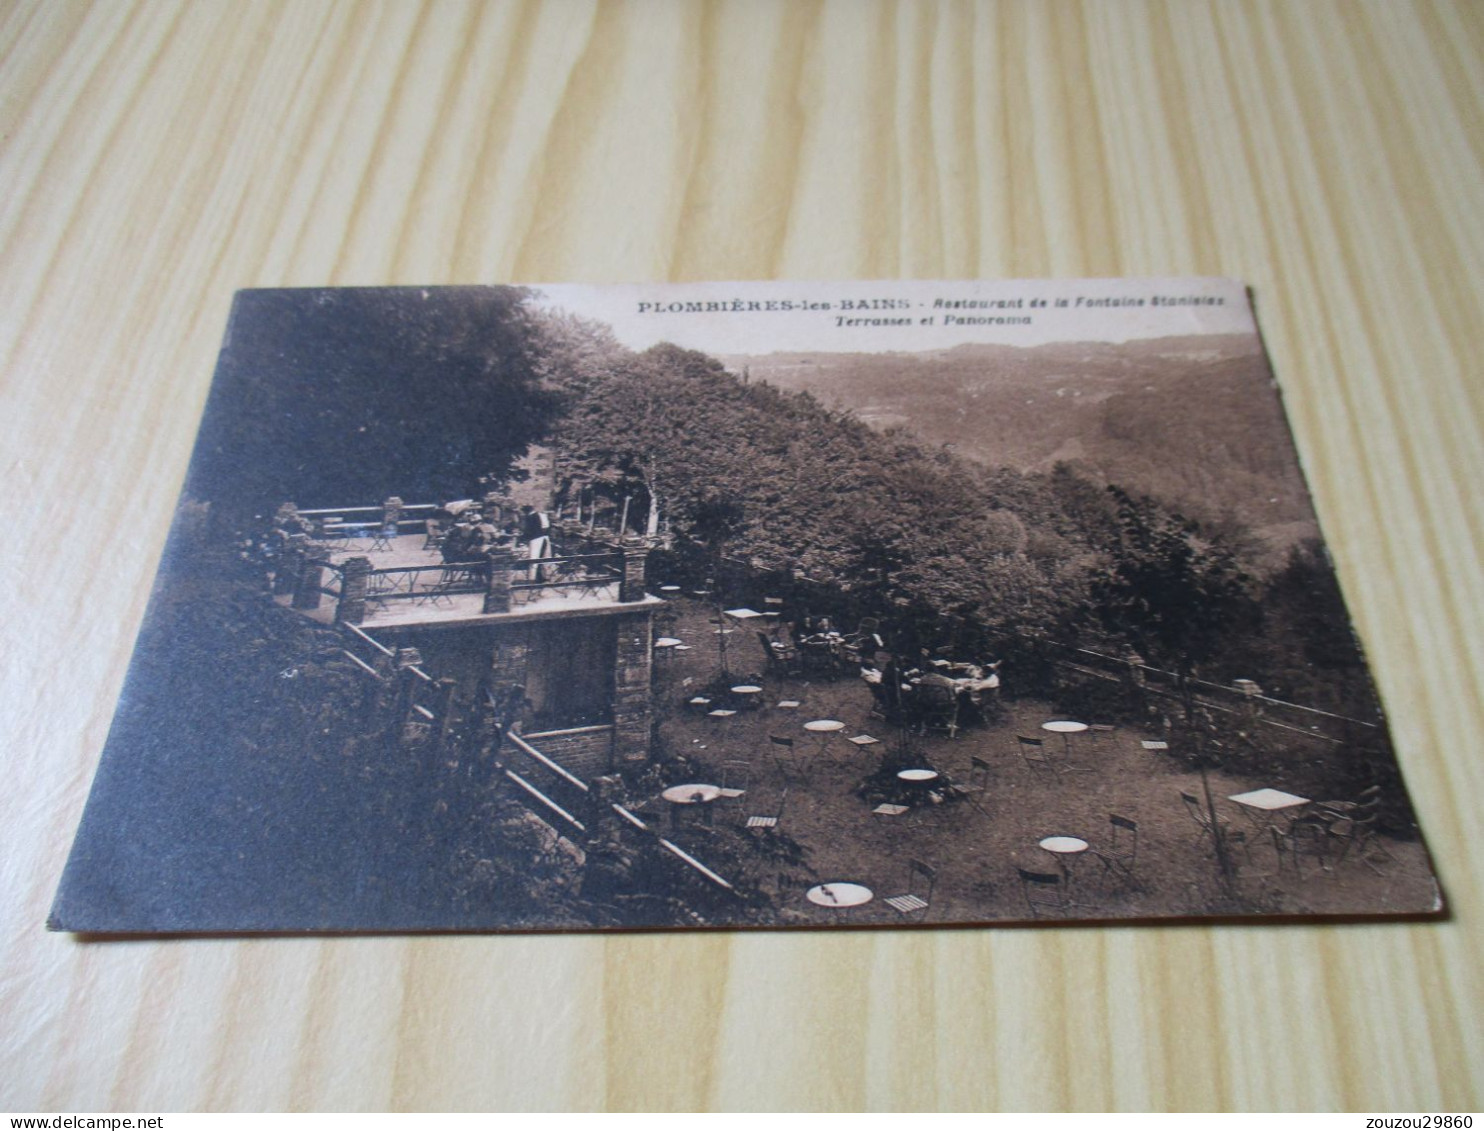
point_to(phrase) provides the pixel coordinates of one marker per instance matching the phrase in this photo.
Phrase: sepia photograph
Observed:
(744, 605)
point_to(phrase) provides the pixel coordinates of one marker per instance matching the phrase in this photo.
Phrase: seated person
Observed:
(458, 543)
(937, 679)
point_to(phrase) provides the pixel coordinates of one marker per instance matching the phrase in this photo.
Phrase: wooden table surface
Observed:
(158, 155)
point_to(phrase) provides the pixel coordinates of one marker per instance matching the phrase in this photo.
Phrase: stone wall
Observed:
(586, 751)
(631, 694)
(598, 749)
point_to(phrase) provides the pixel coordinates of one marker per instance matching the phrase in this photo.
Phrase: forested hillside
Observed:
(1192, 421)
(898, 526)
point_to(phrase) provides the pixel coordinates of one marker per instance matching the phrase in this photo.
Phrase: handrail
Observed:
(1204, 683)
(378, 645)
(368, 510)
(530, 751)
(541, 797)
(360, 663)
(483, 563)
(634, 820)
(630, 817)
(696, 864)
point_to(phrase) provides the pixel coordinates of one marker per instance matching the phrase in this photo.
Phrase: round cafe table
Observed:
(694, 793)
(1064, 845)
(1066, 849)
(821, 729)
(747, 696)
(917, 777)
(1066, 728)
(839, 894)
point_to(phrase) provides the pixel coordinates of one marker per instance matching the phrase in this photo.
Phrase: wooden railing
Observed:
(428, 584)
(1294, 718)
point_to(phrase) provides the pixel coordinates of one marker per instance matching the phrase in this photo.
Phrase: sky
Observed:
(842, 317)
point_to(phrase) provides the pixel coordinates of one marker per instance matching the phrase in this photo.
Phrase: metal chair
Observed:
(781, 660)
(783, 753)
(1198, 814)
(1046, 894)
(1307, 835)
(1033, 754)
(1355, 828)
(1369, 799)
(736, 775)
(1121, 856)
(769, 820)
(911, 903)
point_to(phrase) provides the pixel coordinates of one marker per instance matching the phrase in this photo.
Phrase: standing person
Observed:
(536, 529)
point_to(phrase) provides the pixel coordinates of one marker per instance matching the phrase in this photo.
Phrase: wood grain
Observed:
(158, 155)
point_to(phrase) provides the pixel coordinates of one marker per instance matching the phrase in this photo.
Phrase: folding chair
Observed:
(1033, 754)
(1354, 826)
(979, 775)
(781, 660)
(911, 903)
(769, 820)
(781, 760)
(1307, 835)
(736, 774)
(1046, 894)
(1370, 795)
(1121, 856)
(1198, 814)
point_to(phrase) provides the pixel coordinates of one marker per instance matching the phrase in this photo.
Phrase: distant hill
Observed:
(1194, 421)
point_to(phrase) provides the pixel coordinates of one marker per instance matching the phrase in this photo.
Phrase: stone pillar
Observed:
(509, 657)
(407, 681)
(290, 559)
(355, 580)
(443, 710)
(631, 690)
(497, 584)
(391, 512)
(631, 587)
(1251, 707)
(307, 591)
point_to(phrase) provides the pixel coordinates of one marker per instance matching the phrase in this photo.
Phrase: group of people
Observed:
(469, 533)
(905, 686)
(931, 684)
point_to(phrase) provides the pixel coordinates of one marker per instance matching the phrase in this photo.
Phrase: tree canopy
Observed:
(342, 397)
(896, 527)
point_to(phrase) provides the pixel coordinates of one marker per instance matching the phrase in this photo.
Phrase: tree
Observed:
(1173, 591)
(1178, 594)
(343, 397)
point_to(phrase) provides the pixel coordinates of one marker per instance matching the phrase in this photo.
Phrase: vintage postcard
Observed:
(743, 605)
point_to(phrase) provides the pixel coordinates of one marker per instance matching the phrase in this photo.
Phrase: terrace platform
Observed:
(397, 581)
